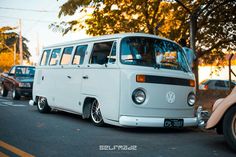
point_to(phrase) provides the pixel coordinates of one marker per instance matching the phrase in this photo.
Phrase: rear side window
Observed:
(45, 57)
(220, 83)
(101, 52)
(55, 56)
(66, 55)
(79, 55)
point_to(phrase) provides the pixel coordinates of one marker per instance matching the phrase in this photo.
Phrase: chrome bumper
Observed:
(202, 117)
(199, 120)
(32, 103)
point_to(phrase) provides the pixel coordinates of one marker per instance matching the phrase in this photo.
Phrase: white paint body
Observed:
(112, 85)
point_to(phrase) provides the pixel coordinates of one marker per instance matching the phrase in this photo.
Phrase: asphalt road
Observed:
(26, 132)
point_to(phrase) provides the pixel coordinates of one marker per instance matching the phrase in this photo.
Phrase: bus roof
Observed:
(103, 37)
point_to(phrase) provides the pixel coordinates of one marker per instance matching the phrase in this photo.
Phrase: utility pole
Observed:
(20, 43)
(15, 53)
(37, 48)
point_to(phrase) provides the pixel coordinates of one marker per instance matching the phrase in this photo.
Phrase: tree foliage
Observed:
(215, 27)
(9, 38)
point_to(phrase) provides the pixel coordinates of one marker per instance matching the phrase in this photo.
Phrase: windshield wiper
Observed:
(156, 65)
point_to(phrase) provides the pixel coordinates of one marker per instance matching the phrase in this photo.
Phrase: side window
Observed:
(45, 57)
(55, 56)
(112, 56)
(66, 55)
(101, 52)
(12, 71)
(220, 83)
(79, 55)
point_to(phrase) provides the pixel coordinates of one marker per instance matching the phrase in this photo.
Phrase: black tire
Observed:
(95, 114)
(15, 94)
(42, 105)
(229, 127)
(4, 91)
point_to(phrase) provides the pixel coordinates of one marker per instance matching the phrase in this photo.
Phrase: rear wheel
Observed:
(4, 91)
(229, 127)
(15, 94)
(95, 114)
(42, 105)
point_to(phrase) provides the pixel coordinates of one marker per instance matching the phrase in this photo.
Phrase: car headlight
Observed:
(24, 84)
(138, 96)
(191, 99)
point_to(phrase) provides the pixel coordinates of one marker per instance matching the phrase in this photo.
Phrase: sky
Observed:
(35, 24)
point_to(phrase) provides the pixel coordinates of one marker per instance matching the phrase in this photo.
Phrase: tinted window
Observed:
(45, 57)
(66, 55)
(101, 52)
(55, 56)
(220, 83)
(22, 71)
(13, 70)
(79, 54)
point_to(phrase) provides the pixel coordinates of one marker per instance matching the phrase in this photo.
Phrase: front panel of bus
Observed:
(156, 81)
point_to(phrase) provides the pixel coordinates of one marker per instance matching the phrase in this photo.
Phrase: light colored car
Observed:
(223, 118)
(216, 84)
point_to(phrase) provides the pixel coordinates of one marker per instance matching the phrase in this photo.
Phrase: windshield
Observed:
(144, 51)
(25, 71)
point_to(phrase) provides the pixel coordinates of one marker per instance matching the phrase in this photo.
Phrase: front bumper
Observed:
(24, 91)
(159, 122)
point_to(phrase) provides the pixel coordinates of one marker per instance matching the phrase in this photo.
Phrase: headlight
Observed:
(191, 99)
(138, 96)
(24, 84)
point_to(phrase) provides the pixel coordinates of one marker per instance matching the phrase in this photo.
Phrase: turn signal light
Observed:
(140, 78)
(192, 83)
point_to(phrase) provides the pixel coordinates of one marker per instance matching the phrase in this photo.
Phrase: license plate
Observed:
(173, 123)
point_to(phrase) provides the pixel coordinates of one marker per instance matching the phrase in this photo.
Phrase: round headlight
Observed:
(138, 96)
(191, 99)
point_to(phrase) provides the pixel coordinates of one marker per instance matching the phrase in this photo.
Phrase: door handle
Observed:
(85, 77)
(69, 77)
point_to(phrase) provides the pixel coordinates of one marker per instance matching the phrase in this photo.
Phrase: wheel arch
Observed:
(217, 116)
(87, 106)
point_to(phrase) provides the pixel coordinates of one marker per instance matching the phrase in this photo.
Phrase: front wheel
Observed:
(4, 91)
(42, 105)
(229, 127)
(15, 95)
(95, 114)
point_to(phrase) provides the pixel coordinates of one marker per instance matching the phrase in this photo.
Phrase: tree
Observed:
(213, 24)
(9, 42)
(149, 16)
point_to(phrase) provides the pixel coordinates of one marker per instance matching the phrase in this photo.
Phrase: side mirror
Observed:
(11, 74)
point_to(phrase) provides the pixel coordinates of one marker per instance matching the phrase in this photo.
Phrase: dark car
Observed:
(19, 80)
(216, 84)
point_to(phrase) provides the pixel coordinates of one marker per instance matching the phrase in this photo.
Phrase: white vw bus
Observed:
(128, 79)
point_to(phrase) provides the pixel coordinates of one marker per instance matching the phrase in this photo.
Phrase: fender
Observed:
(219, 109)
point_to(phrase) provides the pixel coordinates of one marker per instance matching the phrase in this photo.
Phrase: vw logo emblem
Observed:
(170, 97)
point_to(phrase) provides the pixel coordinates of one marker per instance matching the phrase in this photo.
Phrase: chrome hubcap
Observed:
(13, 93)
(233, 126)
(41, 103)
(95, 112)
(1, 90)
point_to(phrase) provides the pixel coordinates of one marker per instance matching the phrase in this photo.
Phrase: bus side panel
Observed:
(44, 84)
(103, 84)
(68, 88)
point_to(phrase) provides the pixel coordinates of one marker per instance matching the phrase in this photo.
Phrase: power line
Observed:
(34, 20)
(32, 10)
